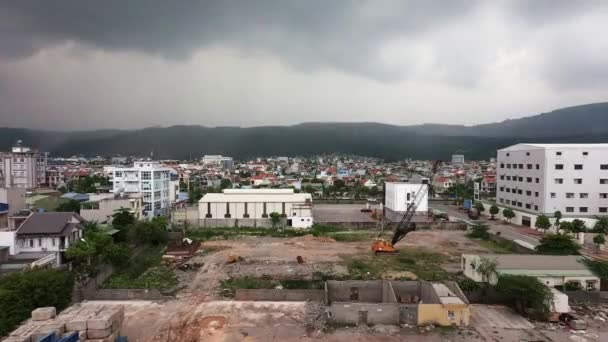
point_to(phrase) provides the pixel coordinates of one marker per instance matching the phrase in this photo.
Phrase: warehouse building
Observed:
(252, 208)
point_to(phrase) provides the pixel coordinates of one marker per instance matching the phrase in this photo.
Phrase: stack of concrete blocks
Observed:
(94, 323)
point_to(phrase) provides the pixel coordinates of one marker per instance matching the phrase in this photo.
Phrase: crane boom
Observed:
(405, 225)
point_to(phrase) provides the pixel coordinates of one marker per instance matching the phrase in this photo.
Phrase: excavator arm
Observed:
(406, 226)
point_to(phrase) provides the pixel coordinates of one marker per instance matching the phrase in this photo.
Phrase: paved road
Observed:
(507, 231)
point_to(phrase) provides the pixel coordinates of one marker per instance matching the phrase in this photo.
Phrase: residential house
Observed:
(41, 240)
(100, 208)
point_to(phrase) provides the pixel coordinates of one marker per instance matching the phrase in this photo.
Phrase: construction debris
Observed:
(315, 316)
(100, 323)
(234, 258)
(300, 259)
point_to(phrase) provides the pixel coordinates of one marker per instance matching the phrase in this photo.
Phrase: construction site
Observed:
(398, 280)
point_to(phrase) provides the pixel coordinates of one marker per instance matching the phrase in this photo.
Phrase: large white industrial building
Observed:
(534, 179)
(399, 196)
(147, 178)
(252, 207)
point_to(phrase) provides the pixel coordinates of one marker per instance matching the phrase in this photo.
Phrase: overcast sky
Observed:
(128, 64)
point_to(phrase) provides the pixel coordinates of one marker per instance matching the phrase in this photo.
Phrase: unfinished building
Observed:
(396, 302)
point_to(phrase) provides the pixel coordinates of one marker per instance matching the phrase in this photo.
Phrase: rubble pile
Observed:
(100, 323)
(315, 316)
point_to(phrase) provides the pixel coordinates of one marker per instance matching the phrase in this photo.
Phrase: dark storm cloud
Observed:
(308, 34)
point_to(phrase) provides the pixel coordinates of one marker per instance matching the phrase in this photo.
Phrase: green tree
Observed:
(309, 189)
(601, 225)
(194, 194)
(487, 267)
(374, 191)
(480, 208)
(117, 254)
(225, 183)
(599, 240)
(508, 214)
(149, 232)
(558, 244)
(558, 218)
(275, 218)
(69, 206)
(494, 211)
(461, 190)
(122, 219)
(480, 231)
(527, 295)
(543, 222)
(339, 184)
(22, 292)
(575, 227)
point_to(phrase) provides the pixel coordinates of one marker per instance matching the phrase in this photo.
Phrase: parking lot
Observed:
(328, 213)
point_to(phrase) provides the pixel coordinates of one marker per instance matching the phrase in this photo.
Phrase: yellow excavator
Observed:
(405, 226)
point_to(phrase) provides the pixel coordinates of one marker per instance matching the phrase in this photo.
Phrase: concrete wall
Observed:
(7, 238)
(368, 291)
(445, 315)
(279, 295)
(377, 313)
(406, 291)
(123, 294)
(14, 197)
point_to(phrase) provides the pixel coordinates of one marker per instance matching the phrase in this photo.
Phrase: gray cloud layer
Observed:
(261, 62)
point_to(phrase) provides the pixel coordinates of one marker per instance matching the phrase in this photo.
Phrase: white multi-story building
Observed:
(22, 168)
(219, 160)
(147, 178)
(536, 179)
(400, 196)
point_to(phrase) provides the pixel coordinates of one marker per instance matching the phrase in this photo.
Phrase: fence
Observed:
(587, 296)
(279, 295)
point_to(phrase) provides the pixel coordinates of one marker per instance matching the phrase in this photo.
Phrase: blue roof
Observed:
(76, 196)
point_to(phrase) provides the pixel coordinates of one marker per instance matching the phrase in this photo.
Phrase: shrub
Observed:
(480, 231)
(20, 293)
(558, 244)
(527, 295)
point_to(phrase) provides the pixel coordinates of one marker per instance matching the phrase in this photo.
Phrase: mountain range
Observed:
(579, 124)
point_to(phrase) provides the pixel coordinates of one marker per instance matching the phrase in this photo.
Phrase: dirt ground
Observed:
(199, 313)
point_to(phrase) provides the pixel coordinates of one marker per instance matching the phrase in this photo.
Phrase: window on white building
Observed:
(569, 209)
(584, 195)
(583, 209)
(604, 167)
(603, 209)
(569, 194)
(146, 175)
(604, 195)
(603, 181)
(558, 153)
(559, 166)
(578, 181)
(559, 181)
(553, 195)
(578, 166)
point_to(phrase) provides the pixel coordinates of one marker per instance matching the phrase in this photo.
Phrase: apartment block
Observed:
(539, 179)
(147, 178)
(23, 167)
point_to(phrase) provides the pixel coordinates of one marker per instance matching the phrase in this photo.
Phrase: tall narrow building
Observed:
(23, 167)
